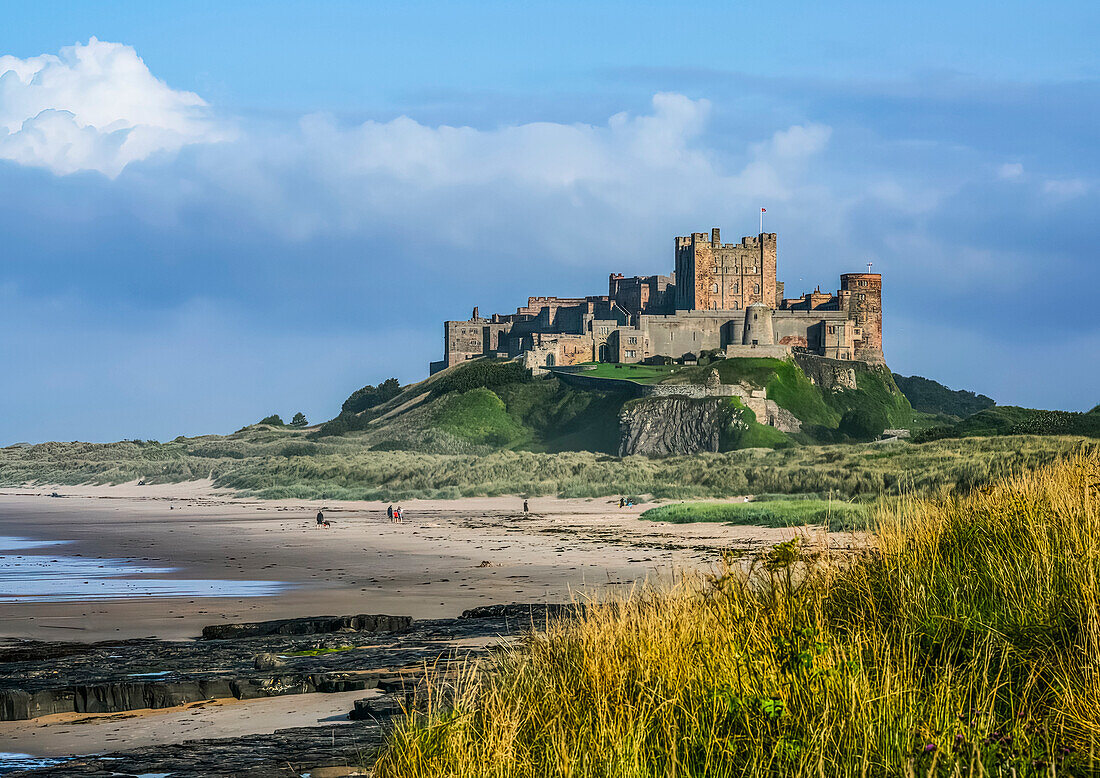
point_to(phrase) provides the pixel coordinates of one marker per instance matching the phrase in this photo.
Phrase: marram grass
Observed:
(965, 642)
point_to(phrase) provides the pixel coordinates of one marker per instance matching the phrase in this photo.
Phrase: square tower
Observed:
(716, 276)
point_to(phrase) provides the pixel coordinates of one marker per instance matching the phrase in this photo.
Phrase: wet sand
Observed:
(447, 556)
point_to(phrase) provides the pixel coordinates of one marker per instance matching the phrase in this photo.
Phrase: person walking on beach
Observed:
(320, 519)
(389, 513)
(622, 502)
(525, 507)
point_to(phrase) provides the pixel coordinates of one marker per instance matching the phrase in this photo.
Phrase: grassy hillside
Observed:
(820, 410)
(934, 398)
(1012, 420)
(964, 644)
(286, 463)
(485, 405)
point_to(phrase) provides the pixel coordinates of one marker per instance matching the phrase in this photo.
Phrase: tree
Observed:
(299, 420)
(370, 396)
(275, 420)
(864, 423)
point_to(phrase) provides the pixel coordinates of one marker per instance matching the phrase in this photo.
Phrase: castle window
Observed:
(631, 354)
(861, 296)
(832, 330)
(863, 283)
(714, 269)
(735, 285)
(714, 288)
(632, 341)
(756, 288)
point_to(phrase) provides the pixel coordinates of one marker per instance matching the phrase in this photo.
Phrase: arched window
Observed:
(714, 288)
(756, 288)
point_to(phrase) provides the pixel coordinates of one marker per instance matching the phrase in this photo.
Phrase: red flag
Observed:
(763, 210)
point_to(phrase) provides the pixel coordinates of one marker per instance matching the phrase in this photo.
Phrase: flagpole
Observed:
(761, 221)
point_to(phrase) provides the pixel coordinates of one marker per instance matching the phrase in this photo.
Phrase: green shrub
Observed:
(479, 416)
(370, 396)
(299, 448)
(863, 423)
(929, 396)
(480, 374)
(1013, 420)
(274, 420)
(299, 420)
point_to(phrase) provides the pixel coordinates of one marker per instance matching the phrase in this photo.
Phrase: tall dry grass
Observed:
(966, 642)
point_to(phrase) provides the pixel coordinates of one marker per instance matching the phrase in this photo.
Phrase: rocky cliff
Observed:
(660, 426)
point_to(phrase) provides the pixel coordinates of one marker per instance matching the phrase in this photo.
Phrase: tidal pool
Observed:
(48, 577)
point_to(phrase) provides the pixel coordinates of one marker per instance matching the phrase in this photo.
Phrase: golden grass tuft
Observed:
(966, 642)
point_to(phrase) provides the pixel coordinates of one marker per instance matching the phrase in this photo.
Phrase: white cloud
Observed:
(98, 107)
(1065, 188)
(1010, 171)
(546, 182)
(94, 106)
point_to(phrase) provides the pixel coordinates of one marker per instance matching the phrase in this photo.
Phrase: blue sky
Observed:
(215, 211)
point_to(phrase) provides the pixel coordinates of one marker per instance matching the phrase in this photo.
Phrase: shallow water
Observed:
(12, 763)
(30, 578)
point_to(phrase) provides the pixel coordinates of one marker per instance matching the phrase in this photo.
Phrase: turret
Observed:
(758, 330)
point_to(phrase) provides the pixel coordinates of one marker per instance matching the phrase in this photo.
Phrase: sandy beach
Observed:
(445, 557)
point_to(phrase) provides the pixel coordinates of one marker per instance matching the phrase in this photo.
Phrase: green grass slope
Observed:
(837, 515)
(1013, 420)
(820, 410)
(932, 397)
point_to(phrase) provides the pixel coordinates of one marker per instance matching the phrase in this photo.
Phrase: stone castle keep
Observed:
(721, 296)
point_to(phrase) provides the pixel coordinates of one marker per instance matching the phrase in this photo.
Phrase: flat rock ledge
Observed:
(314, 625)
(332, 751)
(290, 656)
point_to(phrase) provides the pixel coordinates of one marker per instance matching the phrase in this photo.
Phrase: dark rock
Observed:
(115, 677)
(661, 426)
(268, 661)
(315, 625)
(376, 708)
(530, 612)
(346, 749)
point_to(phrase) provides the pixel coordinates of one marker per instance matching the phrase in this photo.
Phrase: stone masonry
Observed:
(721, 296)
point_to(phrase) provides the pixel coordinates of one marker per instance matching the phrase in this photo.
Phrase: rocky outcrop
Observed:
(316, 625)
(45, 678)
(661, 426)
(324, 752)
(523, 611)
(830, 375)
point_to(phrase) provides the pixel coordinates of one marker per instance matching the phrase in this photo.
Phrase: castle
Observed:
(721, 296)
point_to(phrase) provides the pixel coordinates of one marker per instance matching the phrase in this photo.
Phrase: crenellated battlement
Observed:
(718, 297)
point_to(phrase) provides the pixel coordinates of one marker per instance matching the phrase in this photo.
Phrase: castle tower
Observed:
(759, 329)
(716, 276)
(861, 296)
